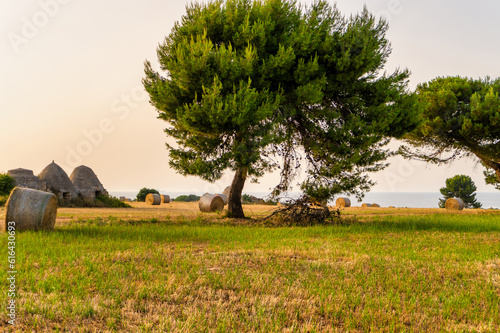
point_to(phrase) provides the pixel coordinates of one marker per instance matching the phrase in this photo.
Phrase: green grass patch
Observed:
(429, 273)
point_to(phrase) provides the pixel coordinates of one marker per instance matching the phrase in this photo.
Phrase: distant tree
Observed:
(143, 192)
(461, 117)
(7, 183)
(462, 187)
(187, 198)
(253, 86)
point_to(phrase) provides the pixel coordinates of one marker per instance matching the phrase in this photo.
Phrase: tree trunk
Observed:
(234, 201)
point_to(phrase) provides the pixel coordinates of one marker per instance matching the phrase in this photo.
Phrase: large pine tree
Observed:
(255, 86)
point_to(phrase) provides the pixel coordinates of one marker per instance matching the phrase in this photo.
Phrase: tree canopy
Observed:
(143, 192)
(460, 117)
(462, 187)
(256, 86)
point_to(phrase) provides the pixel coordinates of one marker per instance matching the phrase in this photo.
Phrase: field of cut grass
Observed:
(172, 269)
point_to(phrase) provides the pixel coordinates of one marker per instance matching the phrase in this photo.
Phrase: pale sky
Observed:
(71, 91)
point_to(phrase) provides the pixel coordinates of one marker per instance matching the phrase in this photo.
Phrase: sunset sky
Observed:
(70, 88)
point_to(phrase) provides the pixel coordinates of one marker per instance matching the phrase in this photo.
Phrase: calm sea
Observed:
(384, 199)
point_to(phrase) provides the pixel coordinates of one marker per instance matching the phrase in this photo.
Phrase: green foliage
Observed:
(143, 192)
(187, 198)
(462, 187)
(490, 178)
(257, 86)
(460, 117)
(111, 201)
(7, 184)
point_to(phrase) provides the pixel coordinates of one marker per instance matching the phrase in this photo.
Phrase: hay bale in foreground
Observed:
(31, 209)
(153, 199)
(366, 205)
(343, 202)
(454, 204)
(165, 198)
(375, 205)
(211, 203)
(224, 198)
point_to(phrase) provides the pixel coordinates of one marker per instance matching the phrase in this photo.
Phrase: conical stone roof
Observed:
(58, 181)
(86, 182)
(26, 178)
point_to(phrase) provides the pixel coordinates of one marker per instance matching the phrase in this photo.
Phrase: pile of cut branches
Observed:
(303, 212)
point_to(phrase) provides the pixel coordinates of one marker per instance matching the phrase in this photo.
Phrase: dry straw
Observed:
(454, 204)
(343, 202)
(226, 191)
(165, 198)
(366, 205)
(211, 203)
(31, 209)
(375, 205)
(153, 199)
(224, 198)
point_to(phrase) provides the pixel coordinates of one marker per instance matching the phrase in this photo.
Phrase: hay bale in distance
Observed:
(454, 204)
(366, 205)
(224, 198)
(375, 205)
(165, 198)
(122, 198)
(226, 191)
(153, 199)
(128, 200)
(343, 202)
(31, 209)
(211, 203)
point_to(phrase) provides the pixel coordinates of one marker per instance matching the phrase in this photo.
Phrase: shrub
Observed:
(143, 192)
(7, 184)
(187, 198)
(111, 201)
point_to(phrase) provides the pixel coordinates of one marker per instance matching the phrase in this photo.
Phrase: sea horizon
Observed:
(384, 199)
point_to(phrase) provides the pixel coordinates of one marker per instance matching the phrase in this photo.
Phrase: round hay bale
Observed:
(31, 209)
(122, 199)
(224, 198)
(128, 200)
(153, 199)
(343, 202)
(211, 203)
(226, 191)
(375, 205)
(165, 198)
(366, 205)
(454, 204)
(392, 207)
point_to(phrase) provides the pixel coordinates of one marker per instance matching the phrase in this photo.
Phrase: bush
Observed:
(462, 187)
(143, 192)
(7, 184)
(187, 198)
(113, 202)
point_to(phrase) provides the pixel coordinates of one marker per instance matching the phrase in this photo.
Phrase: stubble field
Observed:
(173, 269)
